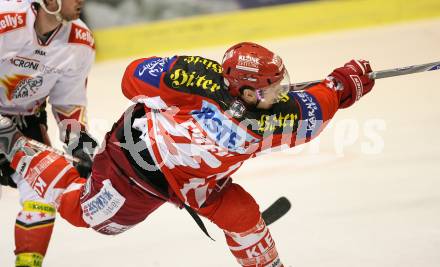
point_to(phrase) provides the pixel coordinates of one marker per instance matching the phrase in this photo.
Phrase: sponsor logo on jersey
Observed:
(39, 52)
(181, 78)
(12, 21)
(49, 70)
(80, 35)
(195, 75)
(103, 205)
(221, 129)
(209, 64)
(311, 115)
(150, 70)
(270, 123)
(25, 63)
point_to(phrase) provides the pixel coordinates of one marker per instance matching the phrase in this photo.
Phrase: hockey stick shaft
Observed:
(380, 74)
(41, 146)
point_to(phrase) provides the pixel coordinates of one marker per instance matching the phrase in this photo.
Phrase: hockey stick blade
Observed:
(379, 74)
(277, 210)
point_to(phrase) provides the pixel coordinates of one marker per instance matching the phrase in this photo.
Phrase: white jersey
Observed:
(32, 71)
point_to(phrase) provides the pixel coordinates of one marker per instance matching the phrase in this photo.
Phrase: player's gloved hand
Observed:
(352, 81)
(5, 172)
(82, 146)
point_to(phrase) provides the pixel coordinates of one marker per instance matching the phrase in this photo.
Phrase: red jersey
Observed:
(193, 132)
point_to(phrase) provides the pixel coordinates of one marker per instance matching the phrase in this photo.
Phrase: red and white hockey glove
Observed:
(352, 81)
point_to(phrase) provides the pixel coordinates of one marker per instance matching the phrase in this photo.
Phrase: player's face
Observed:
(265, 97)
(269, 96)
(273, 93)
(71, 9)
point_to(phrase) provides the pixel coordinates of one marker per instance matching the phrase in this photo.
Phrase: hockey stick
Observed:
(379, 74)
(40, 146)
(275, 211)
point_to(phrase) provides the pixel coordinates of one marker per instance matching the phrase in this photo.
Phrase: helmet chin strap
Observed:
(57, 12)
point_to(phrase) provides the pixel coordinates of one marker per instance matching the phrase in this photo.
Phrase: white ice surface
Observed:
(350, 208)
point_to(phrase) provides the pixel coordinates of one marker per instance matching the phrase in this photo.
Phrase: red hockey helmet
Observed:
(251, 65)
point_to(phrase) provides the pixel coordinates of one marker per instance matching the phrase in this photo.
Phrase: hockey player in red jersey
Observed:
(194, 123)
(46, 53)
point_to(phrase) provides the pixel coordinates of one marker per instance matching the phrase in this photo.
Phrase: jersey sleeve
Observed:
(69, 96)
(300, 117)
(12, 19)
(2, 44)
(143, 77)
(70, 89)
(70, 119)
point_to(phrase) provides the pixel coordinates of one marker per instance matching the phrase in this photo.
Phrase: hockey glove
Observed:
(351, 81)
(82, 146)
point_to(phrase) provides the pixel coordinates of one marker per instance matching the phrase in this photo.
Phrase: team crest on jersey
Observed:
(150, 70)
(21, 86)
(12, 21)
(80, 35)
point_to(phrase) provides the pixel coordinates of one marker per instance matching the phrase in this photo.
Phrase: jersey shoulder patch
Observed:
(150, 70)
(81, 35)
(10, 21)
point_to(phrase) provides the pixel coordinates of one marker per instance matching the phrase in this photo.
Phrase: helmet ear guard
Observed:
(57, 12)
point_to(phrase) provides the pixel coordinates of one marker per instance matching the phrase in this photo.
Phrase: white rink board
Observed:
(350, 208)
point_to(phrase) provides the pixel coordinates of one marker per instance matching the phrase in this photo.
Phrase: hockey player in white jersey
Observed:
(46, 53)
